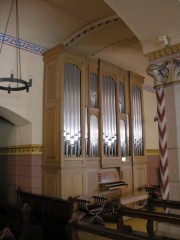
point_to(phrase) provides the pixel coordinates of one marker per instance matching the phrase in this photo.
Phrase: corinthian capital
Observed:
(168, 72)
(176, 71)
(159, 73)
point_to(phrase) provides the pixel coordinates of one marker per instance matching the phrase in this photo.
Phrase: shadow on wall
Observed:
(15, 131)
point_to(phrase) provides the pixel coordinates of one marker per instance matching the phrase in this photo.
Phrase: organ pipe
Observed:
(94, 136)
(72, 116)
(72, 130)
(109, 117)
(93, 90)
(121, 97)
(137, 121)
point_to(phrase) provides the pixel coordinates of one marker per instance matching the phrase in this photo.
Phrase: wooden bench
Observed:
(6, 234)
(74, 228)
(153, 203)
(11, 217)
(51, 214)
(124, 231)
(14, 221)
(139, 199)
(153, 190)
(149, 216)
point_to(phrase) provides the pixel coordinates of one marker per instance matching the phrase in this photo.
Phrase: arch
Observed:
(13, 117)
(16, 132)
(15, 129)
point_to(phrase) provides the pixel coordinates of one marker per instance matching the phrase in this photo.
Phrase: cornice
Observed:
(162, 53)
(22, 150)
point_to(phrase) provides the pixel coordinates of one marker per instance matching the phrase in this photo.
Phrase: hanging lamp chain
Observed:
(21, 84)
(18, 43)
(5, 31)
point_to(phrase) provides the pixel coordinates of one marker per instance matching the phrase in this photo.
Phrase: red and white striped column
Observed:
(164, 171)
(160, 73)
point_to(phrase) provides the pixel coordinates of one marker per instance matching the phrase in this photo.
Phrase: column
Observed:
(167, 84)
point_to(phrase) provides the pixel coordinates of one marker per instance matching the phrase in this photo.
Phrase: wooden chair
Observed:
(91, 210)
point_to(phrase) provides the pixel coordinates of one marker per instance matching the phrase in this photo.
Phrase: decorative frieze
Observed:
(21, 150)
(165, 52)
(150, 152)
(27, 46)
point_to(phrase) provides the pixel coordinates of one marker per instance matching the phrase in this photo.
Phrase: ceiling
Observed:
(119, 31)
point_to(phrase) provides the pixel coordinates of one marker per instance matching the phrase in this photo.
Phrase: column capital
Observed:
(165, 74)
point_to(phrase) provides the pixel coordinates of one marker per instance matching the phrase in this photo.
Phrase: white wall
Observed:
(28, 105)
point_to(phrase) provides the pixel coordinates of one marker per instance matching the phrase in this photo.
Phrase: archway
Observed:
(15, 131)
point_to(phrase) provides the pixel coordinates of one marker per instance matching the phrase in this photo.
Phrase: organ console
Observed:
(110, 184)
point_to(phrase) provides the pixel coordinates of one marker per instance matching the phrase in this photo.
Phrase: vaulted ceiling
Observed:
(119, 31)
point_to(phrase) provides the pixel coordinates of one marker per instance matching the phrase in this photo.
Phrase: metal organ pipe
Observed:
(72, 114)
(94, 136)
(137, 121)
(93, 88)
(121, 97)
(94, 126)
(109, 116)
(72, 129)
(86, 130)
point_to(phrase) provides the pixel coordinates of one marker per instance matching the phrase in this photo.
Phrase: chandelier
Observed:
(14, 83)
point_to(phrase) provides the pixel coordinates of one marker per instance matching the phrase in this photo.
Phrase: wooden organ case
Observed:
(92, 120)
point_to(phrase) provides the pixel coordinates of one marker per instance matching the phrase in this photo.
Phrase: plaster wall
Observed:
(28, 105)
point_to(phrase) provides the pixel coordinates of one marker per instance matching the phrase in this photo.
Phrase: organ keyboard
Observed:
(109, 180)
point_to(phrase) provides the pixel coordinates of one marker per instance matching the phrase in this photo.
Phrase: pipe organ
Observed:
(92, 120)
